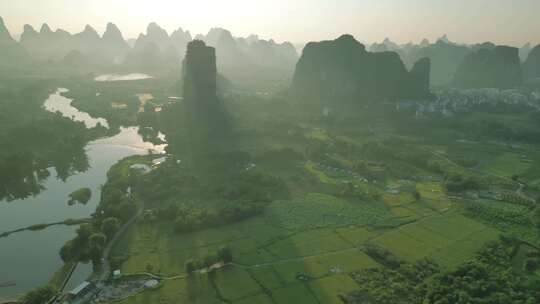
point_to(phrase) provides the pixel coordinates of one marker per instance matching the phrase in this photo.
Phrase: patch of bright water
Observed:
(58, 103)
(28, 259)
(120, 77)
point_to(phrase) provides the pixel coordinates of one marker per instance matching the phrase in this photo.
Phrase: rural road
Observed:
(106, 264)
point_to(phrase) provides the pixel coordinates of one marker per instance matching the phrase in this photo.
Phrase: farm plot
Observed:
(404, 246)
(266, 277)
(193, 290)
(294, 293)
(462, 250)
(401, 212)
(321, 210)
(258, 299)
(323, 265)
(234, 283)
(395, 200)
(327, 290)
(307, 244)
(507, 164)
(449, 240)
(159, 249)
(356, 235)
(433, 196)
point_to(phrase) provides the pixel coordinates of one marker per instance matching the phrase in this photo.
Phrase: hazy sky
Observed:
(501, 21)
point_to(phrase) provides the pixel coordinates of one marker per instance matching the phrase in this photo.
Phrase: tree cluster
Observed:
(90, 240)
(494, 214)
(392, 286)
(192, 218)
(238, 197)
(491, 277)
(34, 140)
(222, 255)
(81, 196)
(458, 183)
(39, 295)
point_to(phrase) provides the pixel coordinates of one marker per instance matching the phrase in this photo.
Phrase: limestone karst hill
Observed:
(498, 67)
(343, 70)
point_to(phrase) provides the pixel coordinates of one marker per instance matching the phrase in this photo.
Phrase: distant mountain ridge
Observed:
(232, 50)
(153, 49)
(11, 52)
(239, 56)
(446, 56)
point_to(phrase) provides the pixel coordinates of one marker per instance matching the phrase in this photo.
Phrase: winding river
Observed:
(28, 259)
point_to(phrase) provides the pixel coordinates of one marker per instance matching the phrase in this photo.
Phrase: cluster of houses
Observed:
(449, 102)
(83, 291)
(327, 168)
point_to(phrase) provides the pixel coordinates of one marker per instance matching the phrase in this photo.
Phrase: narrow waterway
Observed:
(58, 103)
(28, 259)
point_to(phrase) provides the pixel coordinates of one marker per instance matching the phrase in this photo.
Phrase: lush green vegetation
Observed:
(222, 255)
(34, 140)
(194, 203)
(336, 206)
(39, 295)
(366, 203)
(321, 210)
(81, 196)
(116, 206)
(491, 277)
(119, 102)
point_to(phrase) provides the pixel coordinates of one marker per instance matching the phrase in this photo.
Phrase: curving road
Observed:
(106, 264)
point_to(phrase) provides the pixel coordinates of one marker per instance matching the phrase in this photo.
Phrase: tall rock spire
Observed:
(200, 86)
(420, 74)
(200, 75)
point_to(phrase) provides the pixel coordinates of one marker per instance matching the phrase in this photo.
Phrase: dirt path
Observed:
(106, 265)
(277, 262)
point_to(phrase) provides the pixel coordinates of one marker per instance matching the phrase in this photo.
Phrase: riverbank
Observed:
(38, 227)
(37, 245)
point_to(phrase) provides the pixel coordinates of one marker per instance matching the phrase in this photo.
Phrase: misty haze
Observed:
(244, 152)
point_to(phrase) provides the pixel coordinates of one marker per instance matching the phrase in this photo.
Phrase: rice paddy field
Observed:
(295, 252)
(305, 249)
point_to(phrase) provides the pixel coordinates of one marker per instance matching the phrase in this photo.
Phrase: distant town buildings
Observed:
(450, 102)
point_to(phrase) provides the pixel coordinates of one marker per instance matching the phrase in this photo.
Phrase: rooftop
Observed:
(79, 288)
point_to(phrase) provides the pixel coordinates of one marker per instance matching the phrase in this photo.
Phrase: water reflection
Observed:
(58, 103)
(23, 175)
(119, 77)
(28, 259)
(130, 138)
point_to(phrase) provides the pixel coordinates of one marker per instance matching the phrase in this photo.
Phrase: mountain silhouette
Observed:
(498, 67)
(342, 70)
(11, 52)
(531, 66)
